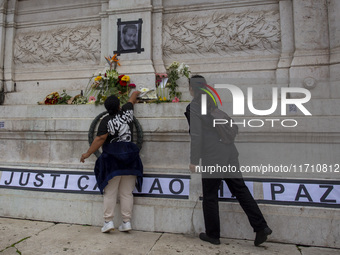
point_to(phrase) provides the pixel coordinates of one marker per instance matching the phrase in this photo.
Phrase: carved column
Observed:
(9, 46)
(311, 58)
(157, 38)
(287, 41)
(104, 32)
(2, 43)
(334, 34)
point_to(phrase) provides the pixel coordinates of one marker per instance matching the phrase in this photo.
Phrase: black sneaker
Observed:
(261, 236)
(204, 237)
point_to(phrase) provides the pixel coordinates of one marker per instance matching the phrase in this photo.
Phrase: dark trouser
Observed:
(243, 195)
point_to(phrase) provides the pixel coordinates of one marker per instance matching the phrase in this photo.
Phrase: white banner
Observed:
(171, 186)
(303, 192)
(164, 186)
(58, 181)
(224, 192)
(320, 193)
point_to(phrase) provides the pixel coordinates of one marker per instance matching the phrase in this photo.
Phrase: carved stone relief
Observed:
(63, 45)
(222, 33)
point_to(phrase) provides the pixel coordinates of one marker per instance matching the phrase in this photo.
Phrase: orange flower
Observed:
(115, 59)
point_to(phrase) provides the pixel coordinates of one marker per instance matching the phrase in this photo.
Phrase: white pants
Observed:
(124, 185)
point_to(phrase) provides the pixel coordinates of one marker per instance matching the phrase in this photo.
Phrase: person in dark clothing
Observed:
(119, 165)
(206, 145)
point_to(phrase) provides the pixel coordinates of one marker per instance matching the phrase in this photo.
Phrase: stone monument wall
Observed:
(48, 46)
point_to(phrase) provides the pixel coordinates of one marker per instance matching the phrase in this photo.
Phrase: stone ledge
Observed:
(170, 7)
(255, 125)
(157, 214)
(317, 107)
(183, 136)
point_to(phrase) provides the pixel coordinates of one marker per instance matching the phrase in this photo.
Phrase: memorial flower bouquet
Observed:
(109, 82)
(63, 98)
(104, 84)
(174, 71)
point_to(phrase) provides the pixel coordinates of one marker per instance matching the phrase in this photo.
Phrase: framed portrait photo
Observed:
(129, 37)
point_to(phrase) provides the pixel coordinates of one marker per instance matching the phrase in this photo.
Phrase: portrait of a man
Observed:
(129, 36)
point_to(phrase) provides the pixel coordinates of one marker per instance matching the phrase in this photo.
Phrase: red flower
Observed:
(161, 75)
(123, 83)
(51, 100)
(132, 85)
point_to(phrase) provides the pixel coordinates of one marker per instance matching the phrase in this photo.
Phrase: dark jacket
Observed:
(205, 141)
(119, 158)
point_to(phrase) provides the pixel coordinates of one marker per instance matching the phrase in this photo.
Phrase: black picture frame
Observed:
(126, 44)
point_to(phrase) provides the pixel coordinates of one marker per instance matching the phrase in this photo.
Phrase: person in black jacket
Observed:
(119, 165)
(206, 145)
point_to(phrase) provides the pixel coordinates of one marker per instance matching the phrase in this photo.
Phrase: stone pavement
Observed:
(28, 237)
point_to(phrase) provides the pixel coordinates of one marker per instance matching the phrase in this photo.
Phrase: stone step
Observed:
(31, 92)
(148, 110)
(317, 107)
(52, 85)
(32, 97)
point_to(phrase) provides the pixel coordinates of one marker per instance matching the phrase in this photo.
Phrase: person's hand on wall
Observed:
(192, 168)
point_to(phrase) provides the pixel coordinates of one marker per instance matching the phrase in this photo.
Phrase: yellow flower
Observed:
(126, 78)
(98, 78)
(164, 98)
(160, 99)
(52, 95)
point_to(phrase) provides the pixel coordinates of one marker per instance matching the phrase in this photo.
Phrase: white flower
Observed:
(174, 64)
(180, 68)
(144, 89)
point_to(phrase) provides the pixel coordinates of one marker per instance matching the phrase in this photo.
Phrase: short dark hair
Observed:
(112, 104)
(197, 82)
(131, 26)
